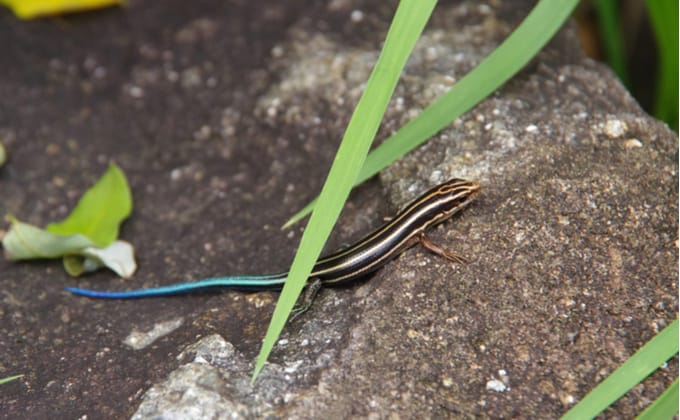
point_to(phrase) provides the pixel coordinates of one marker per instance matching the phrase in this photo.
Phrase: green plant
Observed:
(652, 355)
(611, 37)
(664, 18)
(86, 239)
(9, 379)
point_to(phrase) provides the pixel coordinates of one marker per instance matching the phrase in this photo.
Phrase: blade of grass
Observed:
(407, 25)
(506, 60)
(9, 379)
(665, 407)
(611, 36)
(663, 15)
(645, 361)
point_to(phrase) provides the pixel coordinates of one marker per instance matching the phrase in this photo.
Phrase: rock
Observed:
(572, 245)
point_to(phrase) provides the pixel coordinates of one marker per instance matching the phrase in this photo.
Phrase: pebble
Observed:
(615, 128)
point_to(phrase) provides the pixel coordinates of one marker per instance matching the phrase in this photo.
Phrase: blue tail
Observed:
(268, 282)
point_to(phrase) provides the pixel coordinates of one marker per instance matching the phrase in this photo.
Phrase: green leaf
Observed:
(24, 241)
(506, 60)
(100, 211)
(665, 407)
(9, 379)
(407, 25)
(611, 36)
(663, 14)
(86, 237)
(645, 361)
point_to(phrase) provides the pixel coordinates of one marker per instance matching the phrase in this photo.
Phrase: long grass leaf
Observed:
(407, 25)
(665, 407)
(645, 361)
(9, 379)
(503, 63)
(663, 15)
(611, 37)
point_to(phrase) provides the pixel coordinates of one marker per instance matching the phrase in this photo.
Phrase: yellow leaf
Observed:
(31, 9)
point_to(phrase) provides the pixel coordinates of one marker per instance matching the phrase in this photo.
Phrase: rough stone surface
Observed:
(223, 129)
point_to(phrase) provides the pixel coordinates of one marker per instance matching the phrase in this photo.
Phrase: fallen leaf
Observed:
(100, 211)
(119, 257)
(31, 9)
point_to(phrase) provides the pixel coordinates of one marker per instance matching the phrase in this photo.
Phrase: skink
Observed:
(372, 252)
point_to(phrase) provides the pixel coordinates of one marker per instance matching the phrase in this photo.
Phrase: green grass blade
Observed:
(645, 361)
(665, 407)
(611, 37)
(664, 18)
(407, 25)
(9, 379)
(506, 60)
